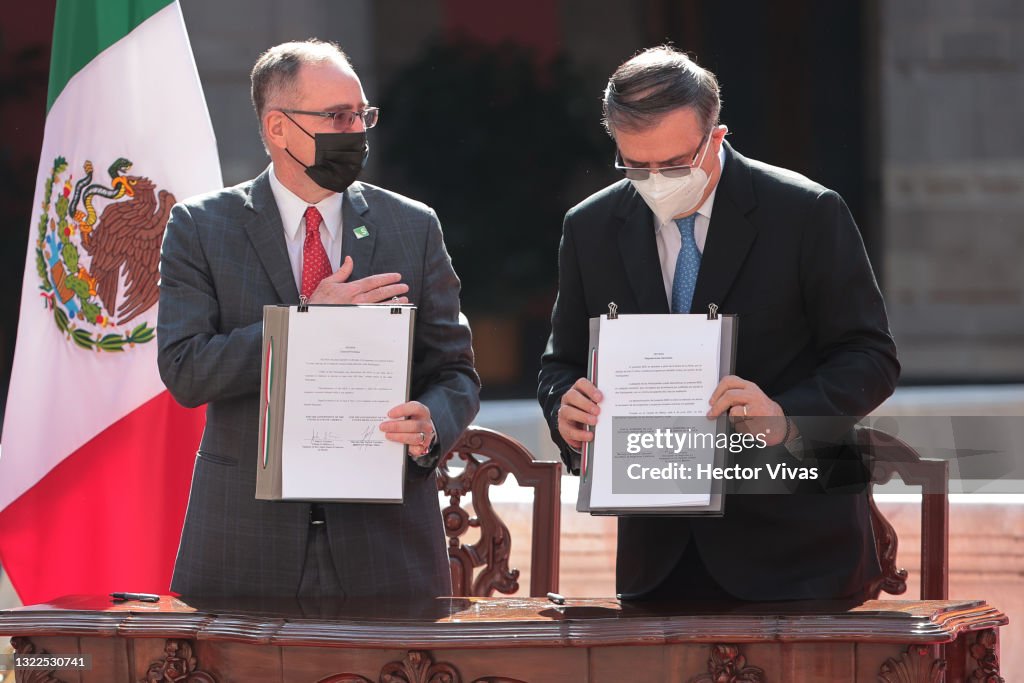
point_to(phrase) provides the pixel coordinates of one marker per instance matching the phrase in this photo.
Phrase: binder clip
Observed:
(303, 304)
(613, 310)
(712, 311)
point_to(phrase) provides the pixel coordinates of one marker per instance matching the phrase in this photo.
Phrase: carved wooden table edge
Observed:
(512, 622)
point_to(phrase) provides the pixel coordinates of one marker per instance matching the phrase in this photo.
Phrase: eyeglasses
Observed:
(344, 119)
(634, 173)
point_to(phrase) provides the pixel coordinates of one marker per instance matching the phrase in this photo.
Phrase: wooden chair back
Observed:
(890, 456)
(481, 568)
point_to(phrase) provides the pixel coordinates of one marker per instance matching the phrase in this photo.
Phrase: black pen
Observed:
(144, 597)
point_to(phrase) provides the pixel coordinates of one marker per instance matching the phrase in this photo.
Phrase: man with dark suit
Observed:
(695, 223)
(306, 230)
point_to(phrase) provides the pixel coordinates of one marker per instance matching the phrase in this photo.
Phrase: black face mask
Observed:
(338, 159)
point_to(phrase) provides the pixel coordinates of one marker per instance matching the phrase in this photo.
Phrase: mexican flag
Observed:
(95, 456)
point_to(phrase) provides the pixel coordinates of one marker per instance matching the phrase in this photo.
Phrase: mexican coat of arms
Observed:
(98, 253)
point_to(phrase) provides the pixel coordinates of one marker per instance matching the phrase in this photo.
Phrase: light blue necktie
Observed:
(687, 265)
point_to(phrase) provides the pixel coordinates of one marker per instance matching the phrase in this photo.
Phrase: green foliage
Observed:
(109, 342)
(141, 334)
(61, 318)
(70, 254)
(112, 342)
(59, 165)
(44, 218)
(82, 338)
(41, 270)
(90, 311)
(61, 206)
(79, 286)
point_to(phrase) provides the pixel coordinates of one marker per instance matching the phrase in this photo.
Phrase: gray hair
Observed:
(654, 82)
(275, 72)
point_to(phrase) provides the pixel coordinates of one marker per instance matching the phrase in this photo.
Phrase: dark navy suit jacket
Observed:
(784, 254)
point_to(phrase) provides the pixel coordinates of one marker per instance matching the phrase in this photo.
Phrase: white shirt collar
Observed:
(293, 209)
(705, 208)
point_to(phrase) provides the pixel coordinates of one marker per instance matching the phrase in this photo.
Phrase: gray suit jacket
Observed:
(223, 259)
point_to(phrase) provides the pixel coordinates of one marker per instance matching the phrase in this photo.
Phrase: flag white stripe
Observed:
(139, 99)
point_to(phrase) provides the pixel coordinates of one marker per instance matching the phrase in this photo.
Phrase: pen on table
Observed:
(144, 597)
(556, 598)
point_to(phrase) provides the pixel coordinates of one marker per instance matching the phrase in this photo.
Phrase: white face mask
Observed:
(669, 197)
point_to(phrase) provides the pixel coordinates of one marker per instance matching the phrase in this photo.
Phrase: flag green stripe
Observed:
(84, 28)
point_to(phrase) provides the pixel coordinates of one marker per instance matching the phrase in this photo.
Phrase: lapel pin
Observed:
(360, 232)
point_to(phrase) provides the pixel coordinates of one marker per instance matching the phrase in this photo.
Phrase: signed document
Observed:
(330, 375)
(654, 451)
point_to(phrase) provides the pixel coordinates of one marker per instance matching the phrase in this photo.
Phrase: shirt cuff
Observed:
(576, 458)
(796, 447)
(430, 458)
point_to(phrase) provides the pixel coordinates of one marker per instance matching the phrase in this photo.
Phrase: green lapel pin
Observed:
(360, 232)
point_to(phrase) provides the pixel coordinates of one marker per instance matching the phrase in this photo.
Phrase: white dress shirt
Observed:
(293, 216)
(669, 240)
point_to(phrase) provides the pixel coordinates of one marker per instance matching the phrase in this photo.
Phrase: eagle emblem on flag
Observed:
(98, 253)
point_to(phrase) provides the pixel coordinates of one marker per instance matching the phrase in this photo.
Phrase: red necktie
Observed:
(315, 264)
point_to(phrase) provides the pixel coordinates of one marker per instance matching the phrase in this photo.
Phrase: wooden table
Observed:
(481, 640)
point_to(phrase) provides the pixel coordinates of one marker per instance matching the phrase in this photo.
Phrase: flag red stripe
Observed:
(109, 516)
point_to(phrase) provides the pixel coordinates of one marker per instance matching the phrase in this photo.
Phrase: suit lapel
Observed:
(359, 234)
(730, 234)
(640, 254)
(266, 232)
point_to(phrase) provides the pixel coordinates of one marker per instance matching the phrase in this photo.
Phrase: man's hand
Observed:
(749, 409)
(410, 424)
(335, 288)
(579, 408)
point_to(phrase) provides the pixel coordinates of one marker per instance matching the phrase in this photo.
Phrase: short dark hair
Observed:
(273, 76)
(654, 82)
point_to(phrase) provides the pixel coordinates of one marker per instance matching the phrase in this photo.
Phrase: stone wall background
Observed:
(952, 153)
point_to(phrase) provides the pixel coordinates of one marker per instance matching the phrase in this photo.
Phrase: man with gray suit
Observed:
(306, 230)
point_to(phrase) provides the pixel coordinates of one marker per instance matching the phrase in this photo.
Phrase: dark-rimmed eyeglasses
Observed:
(635, 173)
(344, 119)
